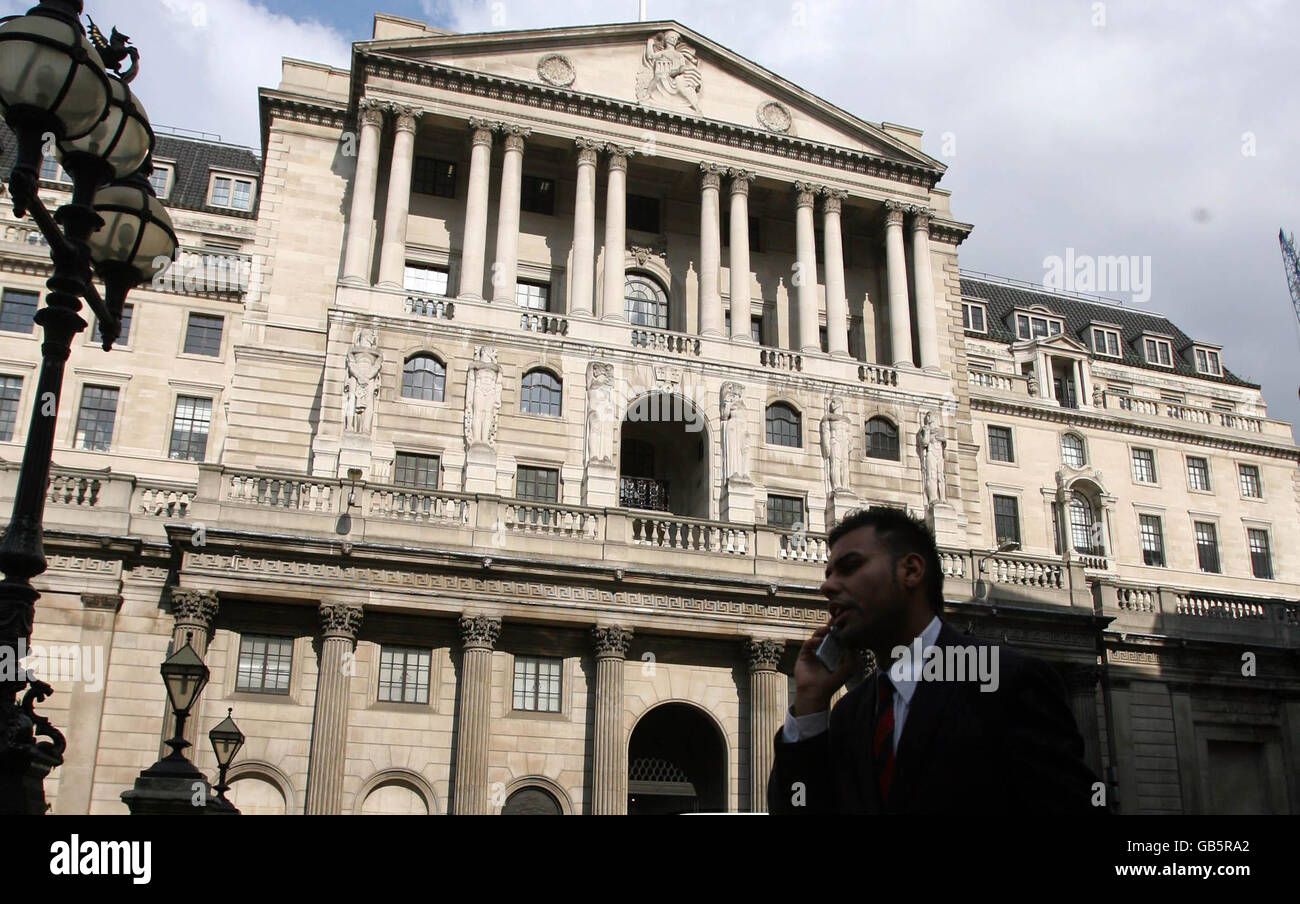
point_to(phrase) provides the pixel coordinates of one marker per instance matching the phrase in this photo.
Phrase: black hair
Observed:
(901, 534)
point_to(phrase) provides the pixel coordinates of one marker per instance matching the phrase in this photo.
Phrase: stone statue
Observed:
(837, 434)
(482, 398)
(930, 447)
(735, 433)
(669, 67)
(601, 413)
(364, 361)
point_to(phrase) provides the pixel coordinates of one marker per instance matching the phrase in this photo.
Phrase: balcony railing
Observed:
(643, 493)
(676, 344)
(431, 306)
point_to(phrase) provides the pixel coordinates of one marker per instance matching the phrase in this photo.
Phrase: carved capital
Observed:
(340, 620)
(407, 117)
(370, 112)
(832, 200)
(920, 218)
(710, 177)
(894, 212)
(763, 654)
(481, 130)
(804, 193)
(514, 143)
(588, 151)
(195, 607)
(1081, 678)
(740, 180)
(479, 632)
(611, 641)
(618, 156)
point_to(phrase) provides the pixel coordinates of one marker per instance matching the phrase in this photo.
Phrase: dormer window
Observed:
(973, 317)
(1034, 326)
(1105, 342)
(161, 179)
(230, 191)
(1207, 362)
(1158, 352)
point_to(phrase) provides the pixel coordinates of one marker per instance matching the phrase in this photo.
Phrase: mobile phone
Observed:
(831, 652)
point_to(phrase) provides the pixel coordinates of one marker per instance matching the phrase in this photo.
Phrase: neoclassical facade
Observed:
(565, 350)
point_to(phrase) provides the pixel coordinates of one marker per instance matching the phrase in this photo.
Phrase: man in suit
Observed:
(966, 726)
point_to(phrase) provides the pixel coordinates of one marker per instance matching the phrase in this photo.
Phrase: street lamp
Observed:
(981, 586)
(226, 740)
(57, 94)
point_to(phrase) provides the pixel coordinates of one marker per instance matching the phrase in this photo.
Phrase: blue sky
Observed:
(1161, 129)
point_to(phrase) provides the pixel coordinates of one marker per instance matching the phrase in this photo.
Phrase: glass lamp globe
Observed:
(121, 141)
(137, 232)
(51, 76)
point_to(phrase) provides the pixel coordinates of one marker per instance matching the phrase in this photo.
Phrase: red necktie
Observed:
(883, 740)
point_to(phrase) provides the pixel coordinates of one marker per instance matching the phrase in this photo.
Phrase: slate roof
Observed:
(1001, 298)
(194, 161)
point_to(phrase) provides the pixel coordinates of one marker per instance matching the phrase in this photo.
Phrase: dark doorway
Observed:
(663, 464)
(676, 763)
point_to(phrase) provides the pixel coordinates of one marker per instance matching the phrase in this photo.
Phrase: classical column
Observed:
(927, 330)
(478, 635)
(583, 279)
(768, 693)
(474, 244)
(361, 218)
(609, 746)
(738, 263)
(1081, 682)
(711, 321)
(900, 318)
(392, 254)
(837, 303)
(805, 276)
(339, 624)
(611, 307)
(505, 271)
(193, 613)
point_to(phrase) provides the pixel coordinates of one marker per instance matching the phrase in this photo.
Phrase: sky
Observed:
(1166, 131)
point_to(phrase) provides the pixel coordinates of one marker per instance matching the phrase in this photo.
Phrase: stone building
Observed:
(497, 476)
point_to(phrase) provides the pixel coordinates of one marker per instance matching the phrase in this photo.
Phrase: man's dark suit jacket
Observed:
(1013, 749)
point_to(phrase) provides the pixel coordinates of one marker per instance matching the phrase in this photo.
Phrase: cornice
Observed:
(300, 108)
(1082, 417)
(549, 98)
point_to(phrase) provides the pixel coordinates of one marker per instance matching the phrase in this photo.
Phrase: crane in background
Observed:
(1292, 264)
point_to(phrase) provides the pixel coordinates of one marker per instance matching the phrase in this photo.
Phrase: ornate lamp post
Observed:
(226, 740)
(56, 94)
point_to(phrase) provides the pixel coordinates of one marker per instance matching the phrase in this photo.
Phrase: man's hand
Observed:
(814, 684)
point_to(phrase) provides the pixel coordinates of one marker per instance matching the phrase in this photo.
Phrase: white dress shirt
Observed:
(801, 728)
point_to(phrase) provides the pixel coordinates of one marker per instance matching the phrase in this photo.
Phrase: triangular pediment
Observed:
(662, 65)
(1058, 343)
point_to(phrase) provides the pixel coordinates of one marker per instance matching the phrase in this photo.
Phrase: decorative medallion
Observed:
(556, 69)
(775, 117)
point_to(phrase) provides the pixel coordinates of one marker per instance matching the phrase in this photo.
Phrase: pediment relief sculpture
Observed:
(669, 69)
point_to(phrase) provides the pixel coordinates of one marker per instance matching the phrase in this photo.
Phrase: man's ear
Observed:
(910, 570)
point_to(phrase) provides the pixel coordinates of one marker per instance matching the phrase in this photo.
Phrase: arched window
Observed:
(784, 426)
(1083, 527)
(531, 801)
(645, 301)
(423, 377)
(1072, 451)
(882, 439)
(541, 393)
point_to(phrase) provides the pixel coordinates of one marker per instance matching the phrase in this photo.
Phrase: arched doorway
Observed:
(663, 457)
(677, 763)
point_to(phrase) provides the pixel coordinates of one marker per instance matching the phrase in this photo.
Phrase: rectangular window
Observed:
(404, 674)
(17, 311)
(161, 180)
(538, 195)
(1153, 540)
(1198, 473)
(51, 171)
(821, 337)
(1207, 362)
(434, 177)
(1006, 519)
(95, 418)
(11, 393)
(264, 664)
(418, 471)
(124, 338)
(190, 428)
(203, 335)
(1105, 342)
(972, 317)
(1000, 447)
(1207, 546)
(537, 484)
(756, 329)
(534, 296)
(1144, 466)
(232, 192)
(642, 213)
(537, 684)
(424, 280)
(1250, 487)
(1261, 557)
(1030, 327)
(785, 512)
(1158, 351)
